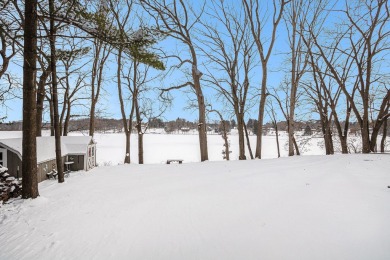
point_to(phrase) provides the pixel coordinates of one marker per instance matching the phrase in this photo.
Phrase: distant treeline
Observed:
(180, 124)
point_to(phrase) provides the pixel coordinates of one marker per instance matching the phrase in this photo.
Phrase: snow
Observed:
(46, 145)
(160, 147)
(10, 179)
(308, 207)
(3, 169)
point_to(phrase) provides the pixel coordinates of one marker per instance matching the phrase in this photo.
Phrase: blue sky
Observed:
(109, 100)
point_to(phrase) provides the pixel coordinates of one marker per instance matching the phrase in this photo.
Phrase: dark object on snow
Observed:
(175, 160)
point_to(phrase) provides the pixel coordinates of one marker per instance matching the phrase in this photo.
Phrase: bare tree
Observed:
(331, 73)
(11, 19)
(284, 105)
(319, 93)
(137, 81)
(296, 15)
(121, 21)
(29, 163)
(382, 116)
(358, 47)
(368, 34)
(42, 83)
(231, 53)
(73, 80)
(136, 75)
(177, 20)
(257, 25)
(54, 85)
(101, 52)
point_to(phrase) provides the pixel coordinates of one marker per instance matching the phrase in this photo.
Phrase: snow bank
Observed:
(313, 207)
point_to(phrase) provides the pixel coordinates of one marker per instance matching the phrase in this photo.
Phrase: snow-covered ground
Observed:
(160, 147)
(309, 207)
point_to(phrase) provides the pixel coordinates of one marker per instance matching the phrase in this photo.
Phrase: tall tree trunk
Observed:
(241, 140)
(127, 155)
(365, 125)
(140, 147)
(226, 141)
(384, 109)
(29, 147)
(291, 131)
(296, 146)
(94, 75)
(294, 83)
(92, 118)
(324, 131)
(128, 134)
(202, 127)
(65, 106)
(277, 139)
(67, 118)
(343, 133)
(384, 135)
(248, 142)
(53, 66)
(40, 99)
(329, 141)
(140, 133)
(51, 106)
(327, 132)
(263, 100)
(127, 124)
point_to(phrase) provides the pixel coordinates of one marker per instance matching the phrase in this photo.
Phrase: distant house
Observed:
(78, 151)
(185, 129)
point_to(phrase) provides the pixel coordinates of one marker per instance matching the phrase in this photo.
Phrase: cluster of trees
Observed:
(53, 38)
(334, 65)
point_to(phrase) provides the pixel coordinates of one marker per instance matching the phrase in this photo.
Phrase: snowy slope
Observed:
(312, 207)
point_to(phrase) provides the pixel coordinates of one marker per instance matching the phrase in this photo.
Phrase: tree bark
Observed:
(365, 125)
(382, 118)
(53, 68)
(29, 162)
(296, 146)
(67, 118)
(127, 124)
(51, 107)
(97, 79)
(140, 133)
(241, 138)
(202, 128)
(277, 138)
(225, 140)
(248, 142)
(40, 99)
(256, 29)
(384, 135)
(261, 112)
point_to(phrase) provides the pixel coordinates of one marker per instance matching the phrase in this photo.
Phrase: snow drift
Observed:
(312, 207)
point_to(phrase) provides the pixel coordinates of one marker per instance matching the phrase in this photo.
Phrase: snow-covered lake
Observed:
(160, 147)
(307, 207)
